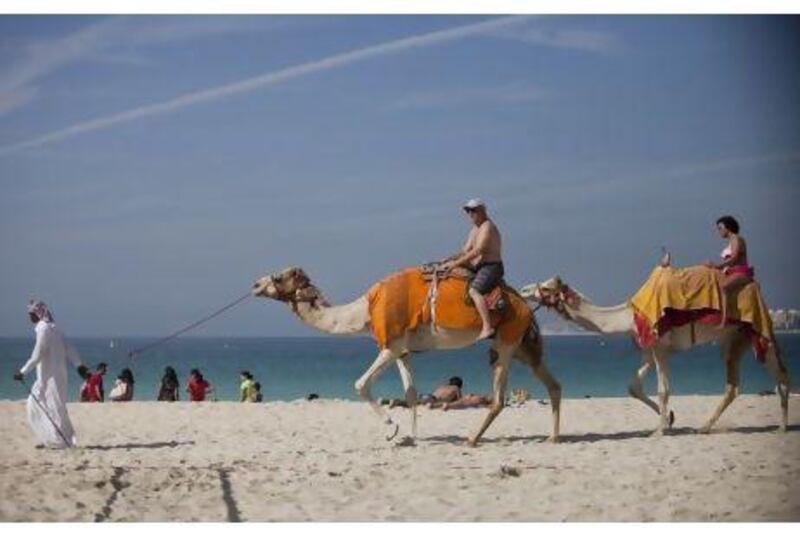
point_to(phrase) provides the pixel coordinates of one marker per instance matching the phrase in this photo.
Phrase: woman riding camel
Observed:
(737, 272)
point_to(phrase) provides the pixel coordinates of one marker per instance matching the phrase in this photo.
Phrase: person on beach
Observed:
(168, 392)
(447, 393)
(47, 402)
(737, 271)
(259, 396)
(94, 385)
(247, 389)
(197, 386)
(467, 401)
(481, 254)
(83, 393)
(123, 387)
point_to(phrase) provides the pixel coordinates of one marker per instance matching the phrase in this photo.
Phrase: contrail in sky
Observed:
(268, 79)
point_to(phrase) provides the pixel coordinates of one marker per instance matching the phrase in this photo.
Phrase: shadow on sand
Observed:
(227, 496)
(138, 445)
(596, 437)
(118, 485)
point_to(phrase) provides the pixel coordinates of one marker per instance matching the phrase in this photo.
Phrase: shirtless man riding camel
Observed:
(481, 254)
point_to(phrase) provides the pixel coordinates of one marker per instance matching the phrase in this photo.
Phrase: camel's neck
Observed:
(344, 319)
(616, 319)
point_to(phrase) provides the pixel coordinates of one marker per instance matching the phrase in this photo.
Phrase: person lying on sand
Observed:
(444, 393)
(467, 401)
(447, 394)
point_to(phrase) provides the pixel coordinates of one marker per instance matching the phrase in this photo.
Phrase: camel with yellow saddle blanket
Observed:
(417, 310)
(676, 309)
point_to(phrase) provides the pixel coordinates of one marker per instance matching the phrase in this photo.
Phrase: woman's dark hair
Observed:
(730, 223)
(83, 372)
(455, 380)
(196, 373)
(170, 377)
(127, 376)
(247, 374)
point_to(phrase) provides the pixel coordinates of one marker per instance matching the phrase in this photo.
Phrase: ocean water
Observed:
(291, 368)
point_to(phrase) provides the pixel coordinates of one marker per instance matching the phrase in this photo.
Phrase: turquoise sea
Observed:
(291, 368)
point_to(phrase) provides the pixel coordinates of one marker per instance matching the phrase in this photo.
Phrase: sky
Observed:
(152, 167)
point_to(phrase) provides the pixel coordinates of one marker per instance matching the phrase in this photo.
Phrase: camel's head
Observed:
(289, 285)
(553, 294)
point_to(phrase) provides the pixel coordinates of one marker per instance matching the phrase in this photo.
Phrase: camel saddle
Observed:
(414, 296)
(496, 299)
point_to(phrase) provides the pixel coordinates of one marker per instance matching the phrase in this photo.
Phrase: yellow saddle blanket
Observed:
(400, 303)
(675, 296)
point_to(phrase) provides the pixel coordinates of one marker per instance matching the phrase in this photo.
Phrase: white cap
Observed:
(474, 203)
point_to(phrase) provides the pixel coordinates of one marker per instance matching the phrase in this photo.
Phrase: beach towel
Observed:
(673, 297)
(399, 304)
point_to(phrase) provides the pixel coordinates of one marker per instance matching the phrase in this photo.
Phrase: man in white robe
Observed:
(53, 428)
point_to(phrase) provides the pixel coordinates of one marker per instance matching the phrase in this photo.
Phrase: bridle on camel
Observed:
(558, 299)
(303, 292)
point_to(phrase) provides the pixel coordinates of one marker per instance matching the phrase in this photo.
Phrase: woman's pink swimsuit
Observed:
(745, 269)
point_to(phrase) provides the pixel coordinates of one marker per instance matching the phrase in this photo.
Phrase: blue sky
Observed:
(152, 167)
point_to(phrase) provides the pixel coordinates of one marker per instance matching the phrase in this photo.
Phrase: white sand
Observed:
(327, 460)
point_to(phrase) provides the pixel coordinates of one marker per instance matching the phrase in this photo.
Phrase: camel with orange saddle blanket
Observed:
(415, 310)
(676, 309)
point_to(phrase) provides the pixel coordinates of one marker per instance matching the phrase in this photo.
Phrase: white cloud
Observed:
(581, 40)
(733, 163)
(459, 96)
(267, 80)
(40, 59)
(16, 98)
(111, 39)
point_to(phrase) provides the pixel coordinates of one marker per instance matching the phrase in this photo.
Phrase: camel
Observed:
(294, 287)
(575, 307)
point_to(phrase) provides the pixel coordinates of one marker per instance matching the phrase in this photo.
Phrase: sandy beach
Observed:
(328, 461)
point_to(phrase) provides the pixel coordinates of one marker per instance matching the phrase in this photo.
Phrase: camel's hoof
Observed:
(782, 429)
(671, 418)
(394, 431)
(657, 433)
(471, 442)
(553, 439)
(408, 440)
(705, 430)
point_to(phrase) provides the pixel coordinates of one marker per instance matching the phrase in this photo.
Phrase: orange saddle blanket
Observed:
(400, 303)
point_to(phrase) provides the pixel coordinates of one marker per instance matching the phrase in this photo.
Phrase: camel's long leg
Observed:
(733, 353)
(778, 370)
(663, 389)
(554, 390)
(531, 352)
(499, 387)
(636, 387)
(407, 377)
(364, 383)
